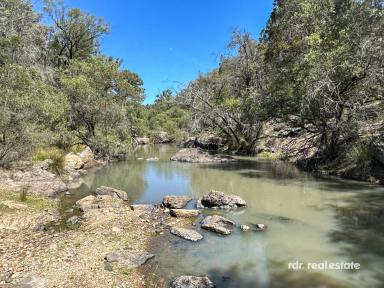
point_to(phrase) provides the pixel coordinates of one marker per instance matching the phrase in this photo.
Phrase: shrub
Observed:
(53, 153)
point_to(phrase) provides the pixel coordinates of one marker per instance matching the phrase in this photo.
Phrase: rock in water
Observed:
(129, 258)
(196, 155)
(217, 199)
(244, 227)
(116, 193)
(184, 213)
(192, 282)
(187, 234)
(218, 224)
(176, 202)
(142, 140)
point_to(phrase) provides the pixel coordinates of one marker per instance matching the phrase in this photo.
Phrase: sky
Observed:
(170, 42)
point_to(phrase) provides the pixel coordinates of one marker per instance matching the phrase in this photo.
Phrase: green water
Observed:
(309, 220)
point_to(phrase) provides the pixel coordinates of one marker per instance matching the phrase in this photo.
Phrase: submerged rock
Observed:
(192, 282)
(129, 258)
(188, 234)
(197, 155)
(176, 202)
(115, 193)
(217, 199)
(218, 224)
(184, 213)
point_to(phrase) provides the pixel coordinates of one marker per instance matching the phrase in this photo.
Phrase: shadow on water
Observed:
(362, 223)
(256, 168)
(361, 231)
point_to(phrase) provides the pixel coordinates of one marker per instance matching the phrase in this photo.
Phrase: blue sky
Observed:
(169, 42)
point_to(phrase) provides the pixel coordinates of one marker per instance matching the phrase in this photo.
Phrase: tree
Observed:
(325, 60)
(22, 37)
(230, 99)
(75, 34)
(99, 94)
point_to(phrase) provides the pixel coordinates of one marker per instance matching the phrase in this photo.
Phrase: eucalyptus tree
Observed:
(230, 99)
(326, 65)
(74, 35)
(99, 95)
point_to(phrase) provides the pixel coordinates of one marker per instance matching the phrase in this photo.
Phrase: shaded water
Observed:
(309, 220)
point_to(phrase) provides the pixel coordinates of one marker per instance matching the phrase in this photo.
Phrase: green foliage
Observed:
(99, 95)
(53, 153)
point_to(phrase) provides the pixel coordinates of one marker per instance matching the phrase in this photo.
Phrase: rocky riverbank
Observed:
(99, 248)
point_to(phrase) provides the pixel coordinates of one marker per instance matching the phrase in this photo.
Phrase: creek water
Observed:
(309, 219)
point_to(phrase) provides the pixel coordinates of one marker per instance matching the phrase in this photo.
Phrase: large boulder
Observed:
(34, 181)
(115, 193)
(197, 155)
(176, 202)
(87, 203)
(205, 141)
(218, 224)
(217, 199)
(73, 161)
(188, 234)
(129, 258)
(162, 137)
(88, 158)
(192, 282)
(142, 140)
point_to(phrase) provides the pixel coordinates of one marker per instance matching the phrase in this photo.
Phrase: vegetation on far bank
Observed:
(318, 62)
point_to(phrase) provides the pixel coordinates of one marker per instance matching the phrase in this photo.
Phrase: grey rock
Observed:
(162, 137)
(115, 193)
(32, 282)
(129, 258)
(217, 199)
(218, 224)
(244, 227)
(259, 227)
(192, 282)
(176, 202)
(87, 203)
(197, 155)
(188, 234)
(205, 141)
(73, 220)
(142, 140)
(143, 207)
(184, 213)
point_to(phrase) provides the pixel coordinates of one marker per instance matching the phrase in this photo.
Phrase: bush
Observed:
(53, 153)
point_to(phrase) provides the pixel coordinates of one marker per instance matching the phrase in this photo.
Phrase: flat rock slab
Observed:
(188, 234)
(197, 155)
(180, 213)
(32, 282)
(143, 207)
(218, 199)
(116, 193)
(129, 258)
(192, 282)
(218, 224)
(176, 202)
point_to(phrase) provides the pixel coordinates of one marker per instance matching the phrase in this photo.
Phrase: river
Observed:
(309, 219)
